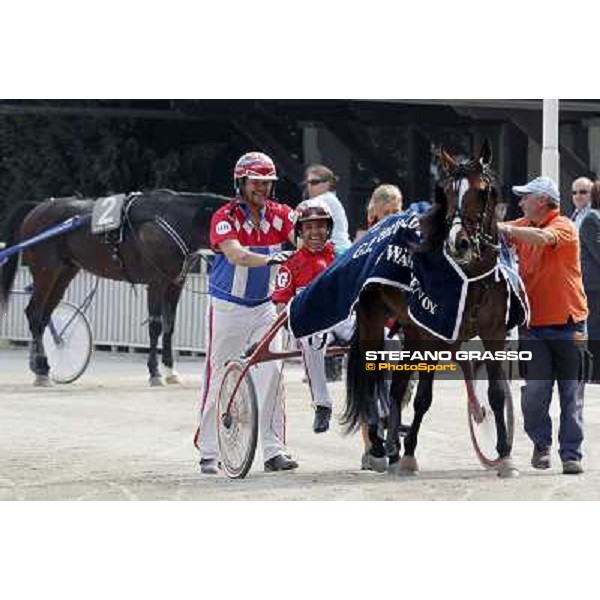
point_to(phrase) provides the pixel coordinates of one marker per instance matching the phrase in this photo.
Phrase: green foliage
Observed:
(47, 155)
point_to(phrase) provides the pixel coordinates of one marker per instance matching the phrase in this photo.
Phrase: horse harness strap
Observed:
(118, 258)
(480, 236)
(189, 258)
(170, 231)
(485, 283)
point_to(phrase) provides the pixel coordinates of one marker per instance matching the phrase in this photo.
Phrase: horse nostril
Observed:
(463, 245)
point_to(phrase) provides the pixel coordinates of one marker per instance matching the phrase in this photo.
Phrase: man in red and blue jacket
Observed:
(247, 236)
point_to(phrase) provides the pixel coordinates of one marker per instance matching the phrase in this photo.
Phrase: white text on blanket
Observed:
(411, 223)
(426, 302)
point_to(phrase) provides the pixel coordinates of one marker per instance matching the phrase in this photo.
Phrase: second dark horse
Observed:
(161, 230)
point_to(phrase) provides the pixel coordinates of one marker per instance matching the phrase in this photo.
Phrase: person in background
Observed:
(320, 183)
(385, 200)
(549, 264)
(580, 190)
(589, 241)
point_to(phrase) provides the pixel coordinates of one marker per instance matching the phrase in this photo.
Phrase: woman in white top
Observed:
(320, 181)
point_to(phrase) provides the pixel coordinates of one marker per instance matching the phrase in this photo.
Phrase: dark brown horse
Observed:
(463, 223)
(161, 231)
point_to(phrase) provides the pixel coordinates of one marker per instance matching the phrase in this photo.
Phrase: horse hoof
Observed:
(42, 381)
(407, 465)
(393, 468)
(173, 378)
(507, 469)
(377, 463)
(156, 381)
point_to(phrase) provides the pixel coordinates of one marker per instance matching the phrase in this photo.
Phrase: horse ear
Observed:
(440, 197)
(433, 223)
(447, 161)
(485, 154)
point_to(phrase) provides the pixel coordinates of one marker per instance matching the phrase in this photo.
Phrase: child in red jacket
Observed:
(314, 224)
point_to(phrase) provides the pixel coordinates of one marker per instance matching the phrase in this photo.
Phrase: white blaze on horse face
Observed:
(462, 186)
(453, 235)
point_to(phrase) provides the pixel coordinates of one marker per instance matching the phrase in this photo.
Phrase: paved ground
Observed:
(109, 436)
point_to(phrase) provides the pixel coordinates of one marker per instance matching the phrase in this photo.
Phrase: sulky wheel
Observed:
(482, 424)
(68, 343)
(237, 421)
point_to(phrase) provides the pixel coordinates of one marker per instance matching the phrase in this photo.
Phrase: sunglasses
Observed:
(314, 181)
(577, 192)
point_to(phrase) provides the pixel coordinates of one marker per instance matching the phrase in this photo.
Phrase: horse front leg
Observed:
(376, 455)
(47, 292)
(38, 361)
(398, 390)
(169, 311)
(497, 390)
(364, 388)
(408, 463)
(154, 330)
(37, 319)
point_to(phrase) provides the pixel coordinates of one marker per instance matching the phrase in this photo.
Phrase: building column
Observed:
(594, 145)
(418, 184)
(550, 154)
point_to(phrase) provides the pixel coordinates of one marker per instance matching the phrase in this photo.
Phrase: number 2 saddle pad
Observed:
(107, 213)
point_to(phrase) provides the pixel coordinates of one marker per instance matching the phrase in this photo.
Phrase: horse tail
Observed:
(11, 230)
(355, 384)
(363, 385)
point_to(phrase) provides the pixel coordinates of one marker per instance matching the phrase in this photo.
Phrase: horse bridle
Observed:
(479, 236)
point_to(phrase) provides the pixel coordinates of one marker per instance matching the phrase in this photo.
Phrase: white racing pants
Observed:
(313, 353)
(231, 329)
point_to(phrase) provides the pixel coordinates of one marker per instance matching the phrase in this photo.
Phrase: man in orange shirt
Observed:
(548, 249)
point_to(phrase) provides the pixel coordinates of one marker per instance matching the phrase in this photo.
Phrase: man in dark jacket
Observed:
(589, 236)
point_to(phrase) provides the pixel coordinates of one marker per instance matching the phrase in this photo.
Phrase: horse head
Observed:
(467, 202)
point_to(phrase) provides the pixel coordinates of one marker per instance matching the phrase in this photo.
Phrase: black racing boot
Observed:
(322, 417)
(280, 462)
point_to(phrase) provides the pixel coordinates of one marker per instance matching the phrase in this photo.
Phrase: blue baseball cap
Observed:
(540, 186)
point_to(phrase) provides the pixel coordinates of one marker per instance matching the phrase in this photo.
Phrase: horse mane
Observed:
(433, 223)
(470, 166)
(201, 196)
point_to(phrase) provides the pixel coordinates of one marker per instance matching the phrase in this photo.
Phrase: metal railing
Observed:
(118, 314)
